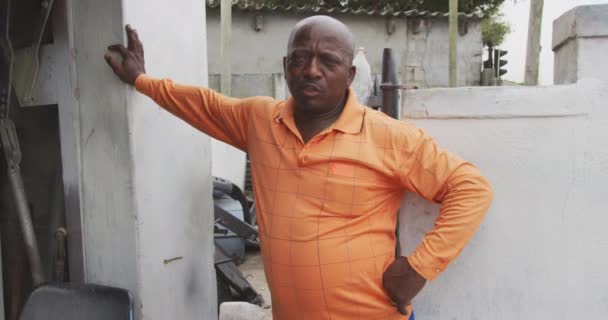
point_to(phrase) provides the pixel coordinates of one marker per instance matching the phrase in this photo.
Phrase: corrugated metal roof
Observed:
(308, 9)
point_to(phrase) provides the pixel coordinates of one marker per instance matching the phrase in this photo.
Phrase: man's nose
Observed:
(312, 70)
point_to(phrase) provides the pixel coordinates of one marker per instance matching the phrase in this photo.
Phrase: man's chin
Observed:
(308, 103)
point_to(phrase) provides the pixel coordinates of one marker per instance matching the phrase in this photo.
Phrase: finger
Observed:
(120, 49)
(112, 62)
(138, 45)
(133, 42)
(402, 307)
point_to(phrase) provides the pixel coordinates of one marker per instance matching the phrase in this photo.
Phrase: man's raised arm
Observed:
(465, 196)
(221, 117)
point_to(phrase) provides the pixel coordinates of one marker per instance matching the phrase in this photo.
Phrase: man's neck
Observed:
(310, 124)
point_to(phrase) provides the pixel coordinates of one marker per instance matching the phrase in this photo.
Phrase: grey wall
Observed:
(423, 55)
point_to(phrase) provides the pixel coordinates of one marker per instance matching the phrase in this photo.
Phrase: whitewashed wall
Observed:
(146, 188)
(422, 54)
(540, 253)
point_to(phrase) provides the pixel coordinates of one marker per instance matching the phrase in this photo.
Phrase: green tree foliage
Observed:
(479, 6)
(494, 30)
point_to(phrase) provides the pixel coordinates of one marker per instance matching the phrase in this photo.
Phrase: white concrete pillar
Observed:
(580, 43)
(145, 176)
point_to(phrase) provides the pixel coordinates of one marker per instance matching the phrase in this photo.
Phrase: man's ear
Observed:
(285, 67)
(351, 74)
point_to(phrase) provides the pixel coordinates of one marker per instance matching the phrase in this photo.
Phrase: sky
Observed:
(516, 13)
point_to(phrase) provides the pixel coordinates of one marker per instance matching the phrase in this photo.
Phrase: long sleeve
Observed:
(465, 196)
(221, 117)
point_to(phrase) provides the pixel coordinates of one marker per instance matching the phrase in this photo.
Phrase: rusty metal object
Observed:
(60, 257)
(228, 273)
(12, 153)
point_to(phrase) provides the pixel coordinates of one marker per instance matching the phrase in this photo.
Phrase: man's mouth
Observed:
(310, 90)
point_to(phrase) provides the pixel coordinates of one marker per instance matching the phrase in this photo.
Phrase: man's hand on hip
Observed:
(402, 283)
(132, 64)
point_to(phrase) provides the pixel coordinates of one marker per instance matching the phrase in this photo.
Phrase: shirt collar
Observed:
(350, 120)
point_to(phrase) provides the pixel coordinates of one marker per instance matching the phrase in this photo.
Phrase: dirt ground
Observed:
(253, 269)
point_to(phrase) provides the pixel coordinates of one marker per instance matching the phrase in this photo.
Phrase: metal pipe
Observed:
(390, 85)
(12, 153)
(27, 226)
(389, 66)
(390, 104)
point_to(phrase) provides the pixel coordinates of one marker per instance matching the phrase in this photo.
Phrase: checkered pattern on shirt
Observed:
(326, 209)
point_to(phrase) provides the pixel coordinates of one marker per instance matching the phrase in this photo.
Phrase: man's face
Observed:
(318, 68)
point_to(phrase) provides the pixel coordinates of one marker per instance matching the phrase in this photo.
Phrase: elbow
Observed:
(472, 183)
(485, 192)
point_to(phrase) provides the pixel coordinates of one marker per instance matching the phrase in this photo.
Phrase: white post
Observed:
(453, 65)
(226, 35)
(534, 48)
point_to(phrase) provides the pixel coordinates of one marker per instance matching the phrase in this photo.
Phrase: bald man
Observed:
(328, 176)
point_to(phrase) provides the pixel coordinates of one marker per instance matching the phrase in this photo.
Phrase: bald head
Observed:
(319, 65)
(328, 26)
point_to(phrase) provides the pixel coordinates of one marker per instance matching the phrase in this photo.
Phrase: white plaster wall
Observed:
(228, 163)
(109, 225)
(592, 57)
(565, 73)
(539, 254)
(436, 60)
(262, 52)
(581, 58)
(146, 189)
(171, 162)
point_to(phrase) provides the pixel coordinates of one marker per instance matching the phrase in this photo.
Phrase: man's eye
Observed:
(298, 59)
(330, 61)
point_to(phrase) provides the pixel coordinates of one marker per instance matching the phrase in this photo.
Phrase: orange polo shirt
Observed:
(327, 208)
